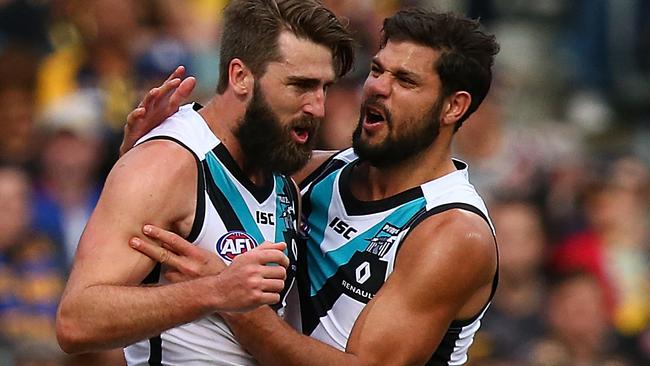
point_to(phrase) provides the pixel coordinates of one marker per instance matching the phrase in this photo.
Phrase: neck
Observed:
(370, 183)
(223, 114)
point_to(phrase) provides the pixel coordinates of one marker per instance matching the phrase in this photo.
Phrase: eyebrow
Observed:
(308, 82)
(400, 72)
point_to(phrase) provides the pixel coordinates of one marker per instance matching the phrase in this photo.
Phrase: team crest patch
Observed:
(235, 243)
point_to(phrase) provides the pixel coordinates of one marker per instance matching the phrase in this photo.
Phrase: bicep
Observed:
(136, 192)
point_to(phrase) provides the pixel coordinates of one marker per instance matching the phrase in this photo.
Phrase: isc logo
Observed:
(235, 243)
(342, 228)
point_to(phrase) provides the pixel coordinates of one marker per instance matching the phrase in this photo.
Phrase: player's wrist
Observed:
(208, 293)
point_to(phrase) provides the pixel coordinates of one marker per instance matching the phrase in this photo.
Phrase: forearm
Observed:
(273, 342)
(107, 316)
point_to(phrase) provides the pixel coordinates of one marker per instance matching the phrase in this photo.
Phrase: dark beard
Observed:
(267, 144)
(401, 146)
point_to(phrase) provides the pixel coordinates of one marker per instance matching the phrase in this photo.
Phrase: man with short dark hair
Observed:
(214, 175)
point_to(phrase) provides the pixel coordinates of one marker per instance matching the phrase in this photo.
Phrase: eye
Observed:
(375, 70)
(300, 85)
(305, 85)
(407, 82)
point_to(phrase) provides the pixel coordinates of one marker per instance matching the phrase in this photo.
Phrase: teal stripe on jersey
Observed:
(329, 263)
(321, 193)
(280, 226)
(229, 189)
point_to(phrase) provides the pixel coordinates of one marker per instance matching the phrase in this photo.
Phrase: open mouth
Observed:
(300, 134)
(375, 115)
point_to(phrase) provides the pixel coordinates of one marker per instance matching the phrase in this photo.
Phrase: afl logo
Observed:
(235, 243)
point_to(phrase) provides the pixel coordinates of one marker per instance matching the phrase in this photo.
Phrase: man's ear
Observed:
(455, 107)
(240, 77)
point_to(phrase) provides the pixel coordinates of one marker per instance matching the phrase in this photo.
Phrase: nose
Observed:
(379, 85)
(315, 104)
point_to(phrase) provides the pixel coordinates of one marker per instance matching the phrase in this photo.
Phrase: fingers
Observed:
(270, 298)
(135, 115)
(156, 253)
(270, 245)
(155, 95)
(169, 240)
(182, 92)
(186, 87)
(274, 273)
(272, 253)
(167, 87)
(178, 73)
(273, 286)
(147, 101)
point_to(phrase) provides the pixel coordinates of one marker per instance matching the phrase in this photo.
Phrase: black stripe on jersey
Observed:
(353, 206)
(155, 351)
(329, 165)
(261, 193)
(200, 210)
(155, 343)
(153, 276)
(308, 314)
(199, 214)
(221, 204)
(445, 348)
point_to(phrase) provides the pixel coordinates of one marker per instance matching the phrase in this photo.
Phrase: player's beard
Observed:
(398, 145)
(267, 143)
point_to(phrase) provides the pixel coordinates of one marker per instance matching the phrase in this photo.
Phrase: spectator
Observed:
(579, 332)
(100, 58)
(613, 246)
(67, 186)
(515, 319)
(17, 81)
(30, 279)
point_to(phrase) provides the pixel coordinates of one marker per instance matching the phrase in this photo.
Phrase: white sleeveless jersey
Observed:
(232, 216)
(351, 247)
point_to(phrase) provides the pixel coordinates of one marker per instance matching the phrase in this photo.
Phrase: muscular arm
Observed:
(443, 272)
(103, 306)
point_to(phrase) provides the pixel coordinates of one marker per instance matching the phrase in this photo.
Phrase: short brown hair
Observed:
(251, 29)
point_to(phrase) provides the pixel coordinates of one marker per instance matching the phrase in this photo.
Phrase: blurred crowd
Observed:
(560, 149)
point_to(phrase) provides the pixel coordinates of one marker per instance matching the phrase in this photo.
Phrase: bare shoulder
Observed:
(159, 162)
(455, 239)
